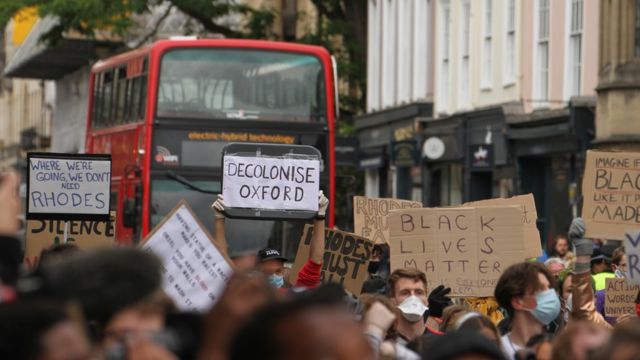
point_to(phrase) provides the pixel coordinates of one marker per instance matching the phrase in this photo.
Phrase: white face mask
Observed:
(412, 308)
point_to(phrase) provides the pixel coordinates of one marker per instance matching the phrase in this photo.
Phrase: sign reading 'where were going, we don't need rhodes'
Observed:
(68, 186)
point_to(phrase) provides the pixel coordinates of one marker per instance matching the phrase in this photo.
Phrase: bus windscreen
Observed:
(241, 84)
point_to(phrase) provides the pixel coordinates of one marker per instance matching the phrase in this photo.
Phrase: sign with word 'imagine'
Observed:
(620, 297)
(345, 261)
(370, 216)
(195, 272)
(272, 183)
(68, 186)
(611, 188)
(464, 248)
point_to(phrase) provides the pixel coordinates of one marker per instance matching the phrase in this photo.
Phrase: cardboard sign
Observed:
(345, 261)
(86, 234)
(611, 188)
(532, 244)
(620, 297)
(466, 249)
(273, 183)
(631, 244)
(64, 186)
(195, 272)
(370, 216)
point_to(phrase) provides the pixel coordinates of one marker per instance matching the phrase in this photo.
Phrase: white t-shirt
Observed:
(508, 347)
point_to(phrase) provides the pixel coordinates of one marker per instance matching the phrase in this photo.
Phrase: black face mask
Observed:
(374, 266)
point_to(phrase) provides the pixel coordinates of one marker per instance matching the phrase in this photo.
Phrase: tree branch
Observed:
(155, 28)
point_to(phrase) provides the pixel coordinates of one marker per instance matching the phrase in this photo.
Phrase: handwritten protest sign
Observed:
(370, 216)
(273, 183)
(86, 234)
(532, 244)
(345, 261)
(464, 248)
(620, 297)
(195, 272)
(611, 187)
(631, 244)
(68, 186)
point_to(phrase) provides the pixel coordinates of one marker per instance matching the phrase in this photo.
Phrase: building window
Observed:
(444, 56)
(464, 54)
(637, 39)
(542, 68)
(575, 48)
(510, 43)
(485, 76)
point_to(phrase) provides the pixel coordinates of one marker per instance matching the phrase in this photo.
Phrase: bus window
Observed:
(241, 84)
(121, 95)
(107, 89)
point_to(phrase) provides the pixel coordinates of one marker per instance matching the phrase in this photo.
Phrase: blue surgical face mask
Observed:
(277, 281)
(548, 306)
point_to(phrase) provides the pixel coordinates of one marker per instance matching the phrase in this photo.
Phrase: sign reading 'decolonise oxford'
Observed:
(273, 183)
(464, 248)
(195, 272)
(611, 188)
(65, 186)
(370, 216)
(345, 261)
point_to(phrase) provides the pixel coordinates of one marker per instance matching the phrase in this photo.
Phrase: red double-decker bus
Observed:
(169, 108)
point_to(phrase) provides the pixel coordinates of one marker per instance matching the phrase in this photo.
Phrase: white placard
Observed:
(271, 183)
(194, 272)
(77, 185)
(632, 252)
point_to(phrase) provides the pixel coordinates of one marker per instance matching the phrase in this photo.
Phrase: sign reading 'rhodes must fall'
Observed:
(465, 248)
(611, 188)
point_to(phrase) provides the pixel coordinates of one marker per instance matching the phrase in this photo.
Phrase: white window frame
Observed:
(574, 29)
(444, 61)
(486, 64)
(510, 43)
(465, 52)
(540, 98)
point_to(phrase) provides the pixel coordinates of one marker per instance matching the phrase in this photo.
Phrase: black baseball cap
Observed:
(270, 254)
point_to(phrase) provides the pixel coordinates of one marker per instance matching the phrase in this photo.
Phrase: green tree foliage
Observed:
(88, 16)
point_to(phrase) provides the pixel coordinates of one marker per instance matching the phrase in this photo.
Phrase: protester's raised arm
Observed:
(584, 305)
(316, 249)
(219, 235)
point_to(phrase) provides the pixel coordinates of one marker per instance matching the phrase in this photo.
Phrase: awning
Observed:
(34, 59)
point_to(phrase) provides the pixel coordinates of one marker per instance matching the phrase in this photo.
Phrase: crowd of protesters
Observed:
(109, 304)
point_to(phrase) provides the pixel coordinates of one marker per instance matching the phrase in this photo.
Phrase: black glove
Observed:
(438, 300)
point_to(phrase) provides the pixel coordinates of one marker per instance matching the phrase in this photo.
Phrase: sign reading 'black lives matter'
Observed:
(271, 183)
(68, 186)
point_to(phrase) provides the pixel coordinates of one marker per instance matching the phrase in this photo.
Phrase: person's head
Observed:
(598, 262)
(619, 261)
(404, 283)
(578, 340)
(565, 284)
(450, 315)
(57, 252)
(271, 263)
(367, 300)
(555, 265)
(143, 318)
(561, 245)
(541, 345)
(315, 325)
(38, 331)
(624, 343)
(461, 345)
(245, 261)
(527, 291)
(476, 323)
